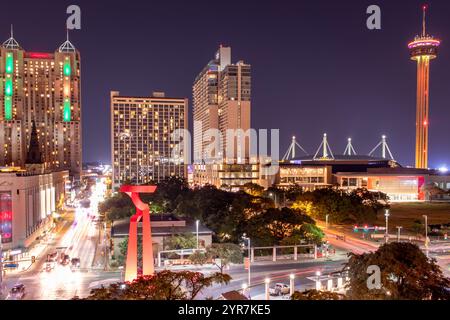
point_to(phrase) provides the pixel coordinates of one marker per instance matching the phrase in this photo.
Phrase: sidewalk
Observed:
(37, 249)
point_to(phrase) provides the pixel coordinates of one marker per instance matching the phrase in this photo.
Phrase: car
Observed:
(65, 260)
(279, 289)
(17, 292)
(52, 257)
(75, 263)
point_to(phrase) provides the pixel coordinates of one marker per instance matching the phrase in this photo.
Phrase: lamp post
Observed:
(399, 228)
(291, 284)
(244, 288)
(426, 234)
(267, 282)
(387, 225)
(326, 221)
(318, 273)
(196, 226)
(249, 261)
(121, 273)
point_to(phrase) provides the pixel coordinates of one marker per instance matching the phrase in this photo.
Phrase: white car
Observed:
(279, 289)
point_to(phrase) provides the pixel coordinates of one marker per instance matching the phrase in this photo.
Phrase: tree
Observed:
(253, 189)
(123, 249)
(406, 274)
(432, 190)
(225, 252)
(181, 241)
(358, 206)
(273, 226)
(317, 295)
(198, 258)
(164, 285)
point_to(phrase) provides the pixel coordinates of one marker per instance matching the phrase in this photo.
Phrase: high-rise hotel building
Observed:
(145, 144)
(43, 88)
(222, 101)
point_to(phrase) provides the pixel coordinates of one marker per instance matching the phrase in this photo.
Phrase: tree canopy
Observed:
(358, 206)
(164, 285)
(406, 274)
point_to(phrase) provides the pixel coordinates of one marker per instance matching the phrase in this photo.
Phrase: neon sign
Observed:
(6, 216)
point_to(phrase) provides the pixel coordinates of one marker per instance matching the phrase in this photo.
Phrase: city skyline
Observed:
(380, 79)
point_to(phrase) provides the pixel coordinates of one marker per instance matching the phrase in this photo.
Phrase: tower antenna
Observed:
(12, 31)
(424, 20)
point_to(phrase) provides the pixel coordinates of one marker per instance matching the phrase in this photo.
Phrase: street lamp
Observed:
(267, 282)
(249, 260)
(387, 225)
(426, 233)
(291, 284)
(196, 226)
(398, 234)
(326, 221)
(318, 273)
(121, 273)
(244, 288)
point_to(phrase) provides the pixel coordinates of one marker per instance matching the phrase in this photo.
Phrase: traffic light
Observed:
(33, 259)
(355, 229)
(366, 228)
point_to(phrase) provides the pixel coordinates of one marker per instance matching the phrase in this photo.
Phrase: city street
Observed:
(78, 238)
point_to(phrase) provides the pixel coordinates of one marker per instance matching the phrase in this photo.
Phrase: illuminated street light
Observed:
(318, 284)
(249, 250)
(426, 234)
(291, 284)
(267, 282)
(399, 228)
(196, 225)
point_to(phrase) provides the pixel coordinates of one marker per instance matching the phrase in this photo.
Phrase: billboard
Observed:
(6, 216)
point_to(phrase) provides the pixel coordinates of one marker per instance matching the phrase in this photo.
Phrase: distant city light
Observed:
(443, 169)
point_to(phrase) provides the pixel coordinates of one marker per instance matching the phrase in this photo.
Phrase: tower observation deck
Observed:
(423, 49)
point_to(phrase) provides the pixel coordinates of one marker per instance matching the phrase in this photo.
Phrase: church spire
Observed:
(34, 153)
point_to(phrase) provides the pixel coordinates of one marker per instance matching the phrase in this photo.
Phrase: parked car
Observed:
(279, 289)
(75, 263)
(17, 292)
(65, 260)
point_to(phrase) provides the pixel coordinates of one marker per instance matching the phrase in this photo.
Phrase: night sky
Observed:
(315, 66)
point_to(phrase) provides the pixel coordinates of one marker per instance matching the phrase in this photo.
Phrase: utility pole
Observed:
(326, 221)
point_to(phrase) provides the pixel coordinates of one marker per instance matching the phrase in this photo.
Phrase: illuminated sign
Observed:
(6, 216)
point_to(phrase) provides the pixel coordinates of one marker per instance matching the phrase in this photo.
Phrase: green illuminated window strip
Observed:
(9, 87)
(8, 108)
(66, 111)
(9, 63)
(67, 68)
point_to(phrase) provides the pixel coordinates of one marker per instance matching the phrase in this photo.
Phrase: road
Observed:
(276, 272)
(77, 238)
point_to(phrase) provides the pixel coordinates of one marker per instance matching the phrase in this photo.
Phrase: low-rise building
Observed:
(163, 227)
(27, 202)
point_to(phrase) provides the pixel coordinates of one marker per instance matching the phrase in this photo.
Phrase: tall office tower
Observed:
(44, 88)
(423, 49)
(222, 94)
(145, 144)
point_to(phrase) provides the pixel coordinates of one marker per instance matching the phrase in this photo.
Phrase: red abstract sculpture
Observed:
(142, 213)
